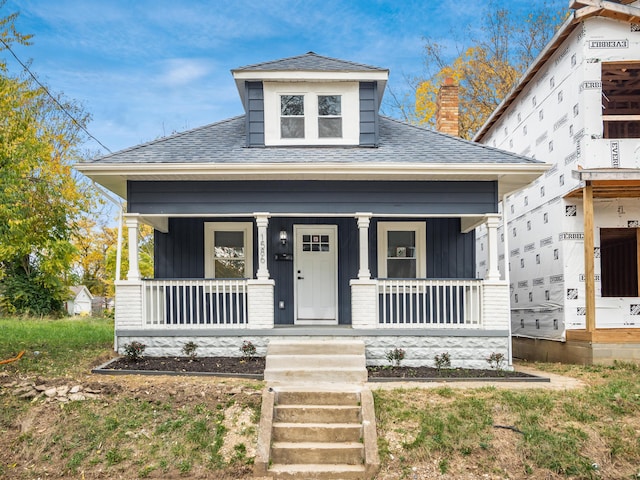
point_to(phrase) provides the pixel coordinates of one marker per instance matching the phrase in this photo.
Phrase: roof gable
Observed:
(309, 67)
(310, 61)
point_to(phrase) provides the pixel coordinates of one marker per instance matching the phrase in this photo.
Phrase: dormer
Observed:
(311, 100)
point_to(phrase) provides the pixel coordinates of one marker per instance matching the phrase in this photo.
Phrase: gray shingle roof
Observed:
(224, 142)
(310, 62)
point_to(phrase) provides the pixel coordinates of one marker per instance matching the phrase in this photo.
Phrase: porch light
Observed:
(283, 237)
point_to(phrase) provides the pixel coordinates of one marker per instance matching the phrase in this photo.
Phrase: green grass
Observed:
(584, 433)
(54, 347)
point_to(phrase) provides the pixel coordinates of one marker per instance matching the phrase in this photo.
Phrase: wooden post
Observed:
(589, 278)
(363, 228)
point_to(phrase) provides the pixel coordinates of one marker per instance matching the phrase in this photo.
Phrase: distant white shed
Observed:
(79, 301)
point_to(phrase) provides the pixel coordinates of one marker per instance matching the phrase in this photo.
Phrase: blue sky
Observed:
(147, 68)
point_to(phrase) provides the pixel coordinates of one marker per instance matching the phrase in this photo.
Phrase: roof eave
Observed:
(510, 176)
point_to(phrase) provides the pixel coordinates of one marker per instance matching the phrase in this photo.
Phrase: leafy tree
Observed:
(487, 65)
(91, 242)
(40, 199)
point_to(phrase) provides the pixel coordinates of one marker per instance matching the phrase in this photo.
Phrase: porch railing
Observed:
(430, 303)
(197, 303)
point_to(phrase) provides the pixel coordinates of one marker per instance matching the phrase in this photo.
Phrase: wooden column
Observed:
(589, 277)
(493, 222)
(363, 228)
(132, 225)
(262, 222)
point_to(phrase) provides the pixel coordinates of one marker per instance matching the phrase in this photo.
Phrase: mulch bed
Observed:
(445, 373)
(255, 367)
(230, 365)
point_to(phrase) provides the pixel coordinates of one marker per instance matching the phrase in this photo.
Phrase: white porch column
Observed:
(363, 226)
(493, 221)
(132, 225)
(262, 222)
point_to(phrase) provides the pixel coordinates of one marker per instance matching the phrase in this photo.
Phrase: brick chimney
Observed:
(447, 108)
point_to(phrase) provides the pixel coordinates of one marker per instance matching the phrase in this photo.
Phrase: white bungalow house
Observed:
(313, 215)
(573, 236)
(79, 301)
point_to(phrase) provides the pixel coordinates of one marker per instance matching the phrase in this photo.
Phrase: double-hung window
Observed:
(401, 250)
(292, 116)
(228, 250)
(329, 116)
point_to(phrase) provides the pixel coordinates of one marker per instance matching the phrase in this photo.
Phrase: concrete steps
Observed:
(317, 419)
(317, 435)
(315, 361)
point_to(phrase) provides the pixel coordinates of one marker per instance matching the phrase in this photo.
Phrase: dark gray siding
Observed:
(368, 114)
(381, 198)
(255, 114)
(282, 271)
(450, 253)
(180, 254)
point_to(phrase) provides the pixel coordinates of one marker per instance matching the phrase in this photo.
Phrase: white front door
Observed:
(316, 274)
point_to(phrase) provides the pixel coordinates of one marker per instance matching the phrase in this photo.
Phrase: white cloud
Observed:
(178, 72)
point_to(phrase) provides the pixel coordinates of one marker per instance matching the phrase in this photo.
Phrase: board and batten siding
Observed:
(255, 114)
(368, 114)
(312, 197)
(180, 254)
(368, 98)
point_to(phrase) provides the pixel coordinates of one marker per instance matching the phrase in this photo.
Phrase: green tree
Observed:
(145, 254)
(40, 200)
(488, 63)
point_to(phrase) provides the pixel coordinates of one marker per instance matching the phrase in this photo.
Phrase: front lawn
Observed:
(63, 347)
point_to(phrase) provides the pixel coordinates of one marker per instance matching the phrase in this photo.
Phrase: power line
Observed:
(60, 106)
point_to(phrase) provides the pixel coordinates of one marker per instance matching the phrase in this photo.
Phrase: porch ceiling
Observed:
(609, 183)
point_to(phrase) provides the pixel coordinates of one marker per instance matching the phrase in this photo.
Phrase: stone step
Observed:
(317, 432)
(312, 347)
(304, 362)
(350, 453)
(293, 375)
(315, 397)
(316, 414)
(318, 472)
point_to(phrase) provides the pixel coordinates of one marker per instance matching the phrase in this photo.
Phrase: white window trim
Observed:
(350, 112)
(420, 229)
(209, 230)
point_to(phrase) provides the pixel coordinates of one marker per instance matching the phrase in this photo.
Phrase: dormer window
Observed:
(329, 116)
(311, 113)
(292, 116)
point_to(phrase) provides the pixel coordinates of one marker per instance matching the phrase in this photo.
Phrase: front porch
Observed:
(425, 316)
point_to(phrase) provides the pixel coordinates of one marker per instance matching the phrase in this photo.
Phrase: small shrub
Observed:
(189, 349)
(442, 361)
(248, 349)
(496, 361)
(134, 350)
(395, 356)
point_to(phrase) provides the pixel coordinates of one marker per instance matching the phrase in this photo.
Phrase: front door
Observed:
(316, 274)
